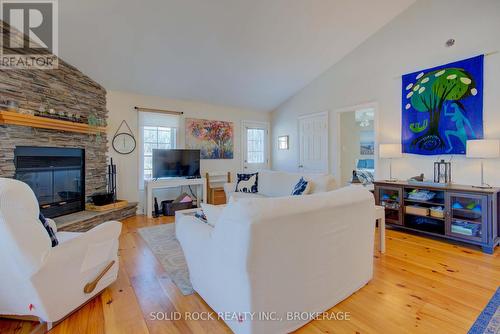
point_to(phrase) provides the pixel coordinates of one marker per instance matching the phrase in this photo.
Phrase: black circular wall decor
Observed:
(124, 142)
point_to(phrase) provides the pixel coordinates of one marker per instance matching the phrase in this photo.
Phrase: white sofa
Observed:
(38, 280)
(288, 254)
(278, 184)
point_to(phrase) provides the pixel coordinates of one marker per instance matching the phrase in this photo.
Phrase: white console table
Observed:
(200, 183)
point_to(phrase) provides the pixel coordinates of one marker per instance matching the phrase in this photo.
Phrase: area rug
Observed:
(162, 242)
(488, 321)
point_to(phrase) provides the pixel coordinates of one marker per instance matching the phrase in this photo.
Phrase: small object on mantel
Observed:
(12, 106)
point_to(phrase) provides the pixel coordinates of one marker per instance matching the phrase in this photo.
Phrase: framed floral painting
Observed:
(215, 139)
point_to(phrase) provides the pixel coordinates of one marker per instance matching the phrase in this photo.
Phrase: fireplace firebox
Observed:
(56, 175)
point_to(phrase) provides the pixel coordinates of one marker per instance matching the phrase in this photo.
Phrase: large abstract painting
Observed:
(213, 138)
(443, 108)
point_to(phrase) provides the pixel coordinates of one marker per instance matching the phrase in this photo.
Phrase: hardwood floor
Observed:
(420, 286)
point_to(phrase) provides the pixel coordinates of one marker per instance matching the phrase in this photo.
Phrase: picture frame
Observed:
(283, 142)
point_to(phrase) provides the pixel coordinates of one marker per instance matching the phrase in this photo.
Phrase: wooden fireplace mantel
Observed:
(15, 118)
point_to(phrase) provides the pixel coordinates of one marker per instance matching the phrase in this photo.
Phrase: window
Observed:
(156, 137)
(159, 131)
(255, 146)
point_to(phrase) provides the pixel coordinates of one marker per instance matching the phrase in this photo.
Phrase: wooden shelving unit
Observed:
(471, 215)
(15, 118)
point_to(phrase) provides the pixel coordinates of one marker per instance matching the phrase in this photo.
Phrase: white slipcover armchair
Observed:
(281, 255)
(38, 280)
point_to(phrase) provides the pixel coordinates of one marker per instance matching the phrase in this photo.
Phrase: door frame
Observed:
(267, 145)
(327, 144)
(338, 154)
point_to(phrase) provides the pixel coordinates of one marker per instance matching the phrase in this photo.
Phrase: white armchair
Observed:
(42, 281)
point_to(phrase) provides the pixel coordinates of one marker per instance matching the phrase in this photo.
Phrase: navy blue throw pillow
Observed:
(247, 183)
(49, 230)
(300, 187)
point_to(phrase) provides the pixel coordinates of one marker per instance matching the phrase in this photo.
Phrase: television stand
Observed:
(151, 185)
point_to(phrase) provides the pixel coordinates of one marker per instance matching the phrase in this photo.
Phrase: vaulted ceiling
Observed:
(246, 53)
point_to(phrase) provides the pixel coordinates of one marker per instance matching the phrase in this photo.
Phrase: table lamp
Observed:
(483, 149)
(390, 151)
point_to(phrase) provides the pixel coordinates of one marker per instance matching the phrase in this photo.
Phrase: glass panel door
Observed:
(467, 216)
(42, 183)
(67, 185)
(390, 198)
(255, 146)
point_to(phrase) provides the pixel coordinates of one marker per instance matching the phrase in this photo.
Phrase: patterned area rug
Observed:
(488, 321)
(162, 242)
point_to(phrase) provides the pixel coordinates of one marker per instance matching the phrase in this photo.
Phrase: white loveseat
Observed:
(278, 184)
(287, 254)
(42, 281)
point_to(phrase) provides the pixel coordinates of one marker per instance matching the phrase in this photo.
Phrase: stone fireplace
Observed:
(66, 92)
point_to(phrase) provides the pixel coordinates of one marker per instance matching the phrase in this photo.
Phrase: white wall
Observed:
(121, 107)
(372, 73)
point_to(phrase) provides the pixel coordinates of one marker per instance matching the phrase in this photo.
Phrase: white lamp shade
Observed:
(390, 151)
(483, 148)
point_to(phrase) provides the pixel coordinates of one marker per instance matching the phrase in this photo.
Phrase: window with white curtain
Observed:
(158, 131)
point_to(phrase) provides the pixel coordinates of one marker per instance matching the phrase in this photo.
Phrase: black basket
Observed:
(169, 208)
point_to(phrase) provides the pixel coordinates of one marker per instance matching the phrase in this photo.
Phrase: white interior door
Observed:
(255, 145)
(313, 143)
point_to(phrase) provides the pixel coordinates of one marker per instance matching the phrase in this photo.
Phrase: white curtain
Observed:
(158, 119)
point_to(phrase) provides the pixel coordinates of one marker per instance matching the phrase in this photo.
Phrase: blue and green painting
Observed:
(443, 108)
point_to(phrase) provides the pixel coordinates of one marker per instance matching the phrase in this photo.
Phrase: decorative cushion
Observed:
(302, 187)
(212, 213)
(364, 176)
(247, 183)
(50, 231)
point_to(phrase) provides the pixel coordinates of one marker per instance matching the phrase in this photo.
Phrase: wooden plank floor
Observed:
(420, 285)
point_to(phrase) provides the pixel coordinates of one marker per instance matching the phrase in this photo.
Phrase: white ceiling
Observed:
(245, 53)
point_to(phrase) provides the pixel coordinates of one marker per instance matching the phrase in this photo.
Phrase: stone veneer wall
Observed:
(65, 89)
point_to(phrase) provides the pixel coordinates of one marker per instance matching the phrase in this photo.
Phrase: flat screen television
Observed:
(176, 163)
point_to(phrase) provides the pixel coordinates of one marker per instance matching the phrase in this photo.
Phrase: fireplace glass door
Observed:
(54, 186)
(56, 176)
